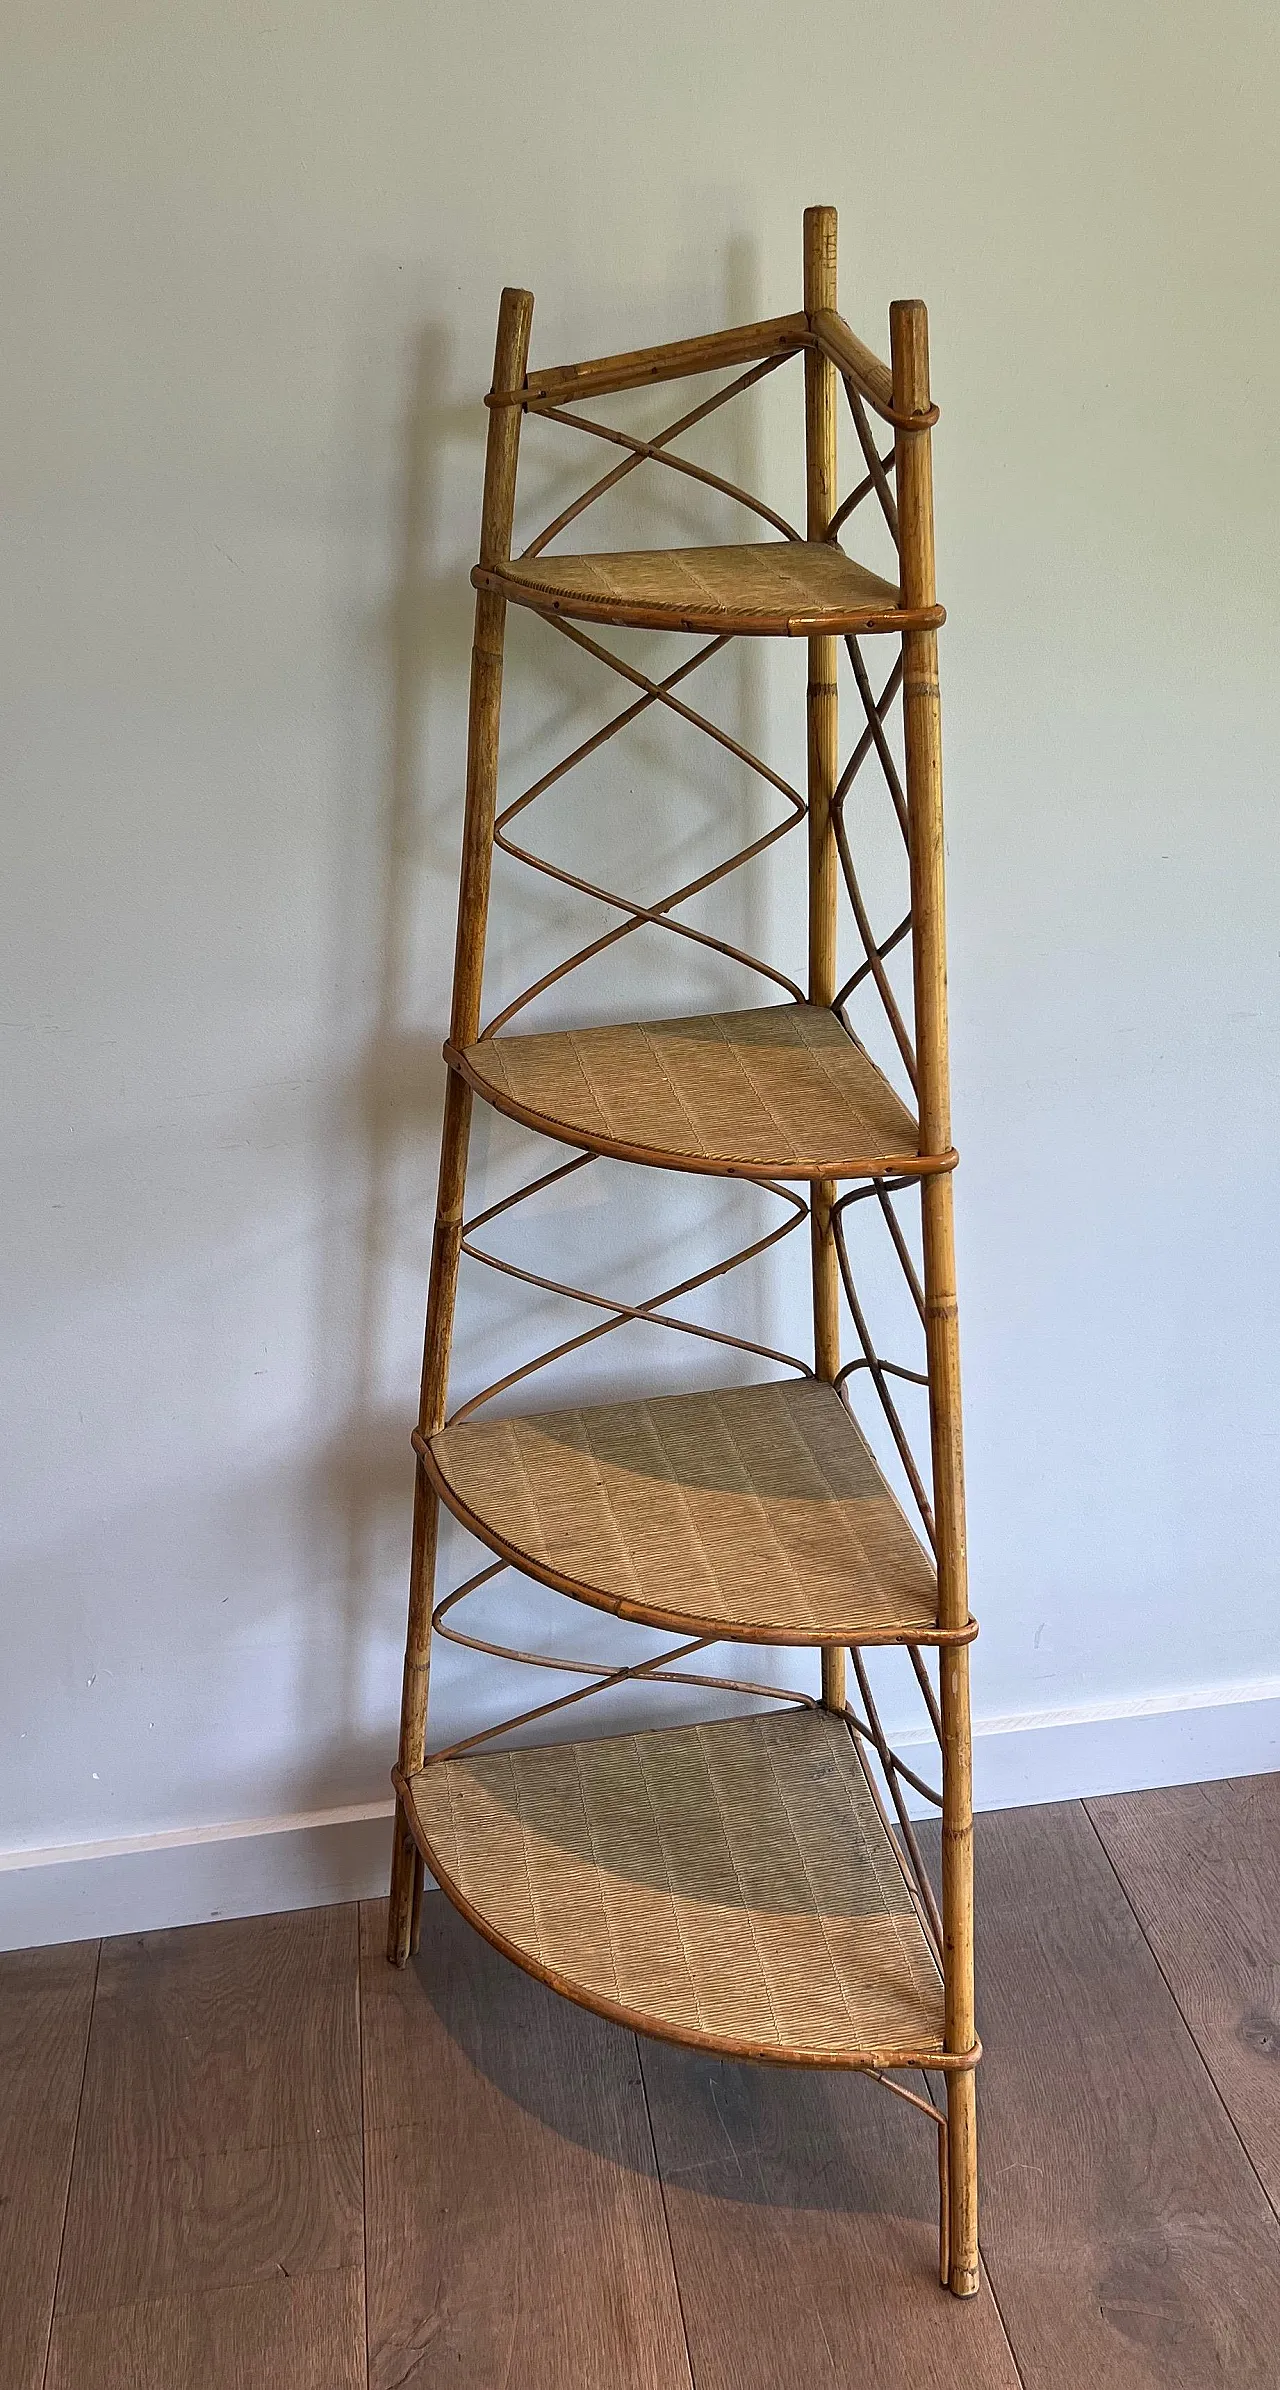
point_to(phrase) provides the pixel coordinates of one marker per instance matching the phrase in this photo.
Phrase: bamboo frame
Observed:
(822, 710)
(671, 362)
(922, 722)
(897, 482)
(515, 322)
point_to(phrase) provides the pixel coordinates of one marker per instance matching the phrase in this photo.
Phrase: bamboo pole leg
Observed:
(415, 1912)
(404, 1922)
(404, 1919)
(942, 1333)
(957, 1929)
(961, 2225)
(823, 766)
(405, 1900)
(833, 1677)
(515, 316)
(922, 720)
(944, 2206)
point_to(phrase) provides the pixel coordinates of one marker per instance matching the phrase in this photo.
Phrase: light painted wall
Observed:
(251, 259)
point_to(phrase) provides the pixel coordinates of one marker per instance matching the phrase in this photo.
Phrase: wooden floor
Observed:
(250, 2154)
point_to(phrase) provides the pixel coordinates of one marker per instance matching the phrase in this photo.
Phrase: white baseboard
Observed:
(76, 1891)
(1127, 1747)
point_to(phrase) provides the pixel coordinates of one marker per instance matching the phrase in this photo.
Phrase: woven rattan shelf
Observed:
(757, 1513)
(751, 1885)
(781, 588)
(780, 1092)
(732, 1886)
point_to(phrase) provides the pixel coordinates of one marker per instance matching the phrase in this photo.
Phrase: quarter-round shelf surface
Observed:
(780, 1092)
(729, 1886)
(772, 588)
(756, 1513)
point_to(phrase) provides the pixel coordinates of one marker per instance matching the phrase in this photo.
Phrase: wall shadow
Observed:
(394, 938)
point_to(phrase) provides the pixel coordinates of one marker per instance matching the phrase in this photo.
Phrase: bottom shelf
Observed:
(728, 1886)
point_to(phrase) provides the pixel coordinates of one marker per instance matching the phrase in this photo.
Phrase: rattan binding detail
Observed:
(755, 1512)
(779, 588)
(728, 1886)
(778, 1092)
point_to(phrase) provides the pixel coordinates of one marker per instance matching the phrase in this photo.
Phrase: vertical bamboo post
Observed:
(822, 726)
(909, 337)
(515, 316)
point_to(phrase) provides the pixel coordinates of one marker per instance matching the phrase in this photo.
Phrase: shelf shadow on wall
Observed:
(394, 942)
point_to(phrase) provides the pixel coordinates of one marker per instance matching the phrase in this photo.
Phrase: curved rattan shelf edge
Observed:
(675, 1622)
(821, 622)
(656, 2028)
(654, 1157)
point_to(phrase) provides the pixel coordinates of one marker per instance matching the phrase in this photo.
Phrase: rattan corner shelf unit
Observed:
(752, 1886)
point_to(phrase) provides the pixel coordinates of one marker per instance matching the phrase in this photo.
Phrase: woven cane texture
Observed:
(728, 1885)
(780, 1092)
(758, 1513)
(784, 587)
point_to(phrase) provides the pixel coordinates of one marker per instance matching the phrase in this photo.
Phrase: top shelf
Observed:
(791, 589)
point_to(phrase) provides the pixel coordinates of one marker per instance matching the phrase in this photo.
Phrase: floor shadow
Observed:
(783, 2137)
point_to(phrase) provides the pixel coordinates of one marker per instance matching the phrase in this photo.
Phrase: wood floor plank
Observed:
(1201, 1865)
(1128, 2241)
(514, 2219)
(151, 2228)
(45, 2001)
(239, 2035)
(216, 2200)
(803, 2210)
(306, 2334)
